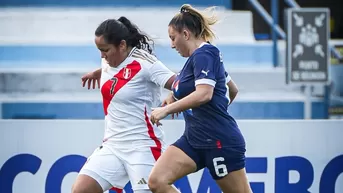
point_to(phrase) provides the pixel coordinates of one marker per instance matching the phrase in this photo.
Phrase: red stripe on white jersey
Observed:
(117, 190)
(156, 151)
(113, 85)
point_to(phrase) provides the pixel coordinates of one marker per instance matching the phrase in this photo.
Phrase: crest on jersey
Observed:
(113, 85)
(127, 73)
(176, 85)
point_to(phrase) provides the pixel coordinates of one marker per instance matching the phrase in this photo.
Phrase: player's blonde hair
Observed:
(199, 23)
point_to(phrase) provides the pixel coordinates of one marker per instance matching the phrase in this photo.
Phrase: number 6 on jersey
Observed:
(220, 169)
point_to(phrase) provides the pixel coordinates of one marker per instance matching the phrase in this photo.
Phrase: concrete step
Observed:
(69, 79)
(77, 25)
(56, 80)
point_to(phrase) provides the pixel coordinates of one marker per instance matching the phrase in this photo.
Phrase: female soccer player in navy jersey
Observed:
(212, 138)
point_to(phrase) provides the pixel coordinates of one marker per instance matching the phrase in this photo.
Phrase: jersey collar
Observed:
(202, 44)
(127, 59)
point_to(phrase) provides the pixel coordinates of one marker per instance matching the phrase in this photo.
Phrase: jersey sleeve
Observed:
(160, 74)
(228, 77)
(203, 69)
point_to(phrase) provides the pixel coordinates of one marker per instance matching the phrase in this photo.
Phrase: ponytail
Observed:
(114, 31)
(136, 38)
(197, 22)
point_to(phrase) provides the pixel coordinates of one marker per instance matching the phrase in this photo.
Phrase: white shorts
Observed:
(114, 168)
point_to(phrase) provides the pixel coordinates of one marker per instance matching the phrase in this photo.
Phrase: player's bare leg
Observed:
(86, 184)
(235, 182)
(166, 172)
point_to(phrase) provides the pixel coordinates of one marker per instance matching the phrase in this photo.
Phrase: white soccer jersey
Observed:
(129, 92)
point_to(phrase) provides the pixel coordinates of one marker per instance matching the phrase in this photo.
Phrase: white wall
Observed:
(315, 143)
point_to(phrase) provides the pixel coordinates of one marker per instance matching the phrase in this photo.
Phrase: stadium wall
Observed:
(112, 3)
(282, 156)
(290, 109)
(69, 35)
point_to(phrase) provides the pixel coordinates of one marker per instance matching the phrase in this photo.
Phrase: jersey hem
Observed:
(216, 147)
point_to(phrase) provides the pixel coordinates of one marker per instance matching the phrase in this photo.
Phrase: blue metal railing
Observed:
(272, 21)
(276, 30)
(275, 15)
(292, 3)
(267, 18)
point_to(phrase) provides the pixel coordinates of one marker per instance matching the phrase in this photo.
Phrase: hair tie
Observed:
(183, 10)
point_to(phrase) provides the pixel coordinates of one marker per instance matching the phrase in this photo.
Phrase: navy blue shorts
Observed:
(219, 161)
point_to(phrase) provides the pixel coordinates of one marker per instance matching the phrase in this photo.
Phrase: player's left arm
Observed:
(161, 75)
(233, 89)
(169, 83)
(204, 73)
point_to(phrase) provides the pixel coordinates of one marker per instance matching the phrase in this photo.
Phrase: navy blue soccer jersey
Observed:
(209, 125)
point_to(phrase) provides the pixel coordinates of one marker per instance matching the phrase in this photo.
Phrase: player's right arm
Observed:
(158, 72)
(92, 78)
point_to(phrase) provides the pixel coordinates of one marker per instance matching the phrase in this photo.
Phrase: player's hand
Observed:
(158, 114)
(92, 78)
(169, 100)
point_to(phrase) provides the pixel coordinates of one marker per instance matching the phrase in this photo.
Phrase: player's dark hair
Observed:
(114, 31)
(195, 21)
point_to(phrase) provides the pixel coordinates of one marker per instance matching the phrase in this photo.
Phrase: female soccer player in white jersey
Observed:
(212, 138)
(131, 83)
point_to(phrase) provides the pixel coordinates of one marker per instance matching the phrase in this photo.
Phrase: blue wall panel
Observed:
(53, 110)
(239, 54)
(83, 110)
